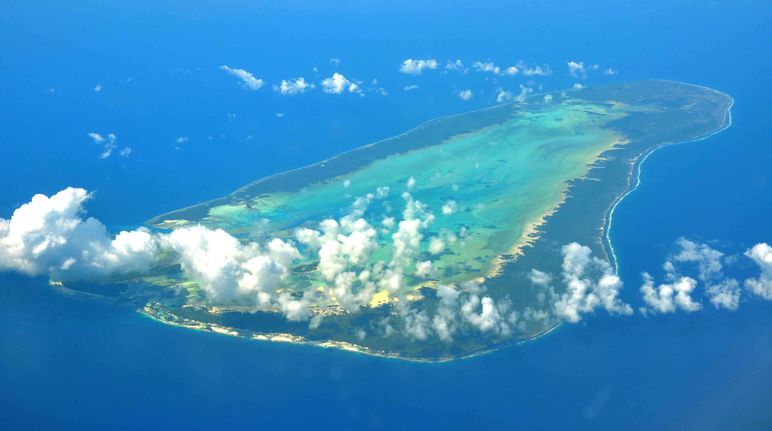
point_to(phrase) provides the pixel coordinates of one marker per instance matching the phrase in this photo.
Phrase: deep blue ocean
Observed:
(66, 363)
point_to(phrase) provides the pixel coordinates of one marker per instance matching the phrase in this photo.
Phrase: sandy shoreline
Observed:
(148, 312)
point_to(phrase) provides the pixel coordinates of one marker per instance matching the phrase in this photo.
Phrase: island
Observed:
(475, 201)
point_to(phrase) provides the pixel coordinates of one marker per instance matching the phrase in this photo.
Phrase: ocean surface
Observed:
(67, 363)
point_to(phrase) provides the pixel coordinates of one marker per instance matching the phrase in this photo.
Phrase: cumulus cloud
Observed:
(485, 315)
(668, 297)
(248, 80)
(416, 67)
(424, 268)
(109, 144)
(506, 96)
(486, 67)
(456, 65)
(723, 292)
(459, 309)
(344, 248)
(230, 272)
(534, 70)
(449, 207)
(490, 67)
(465, 94)
(436, 245)
(211, 257)
(540, 278)
(53, 236)
(589, 284)
(444, 321)
(577, 69)
(96, 137)
(337, 84)
(292, 87)
(410, 87)
(761, 254)
(50, 235)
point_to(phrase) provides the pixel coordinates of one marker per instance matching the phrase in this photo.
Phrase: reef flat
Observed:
(475, 201)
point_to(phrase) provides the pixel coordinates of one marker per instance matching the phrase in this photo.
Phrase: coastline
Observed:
(636, 166)
(277, 337)
(529, 236)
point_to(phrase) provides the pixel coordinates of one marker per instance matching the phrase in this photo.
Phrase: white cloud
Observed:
(465, 94)
(108, 142)
(547, 98)
(337, 84)
(449, 207)
(459, 310)
(211, 258)
(510, 71)
(761, 254)
(524, 93)
(456, 65)
(293, 86)
(668, 297)
(248, 80)
(416, 324)
(589, 284)
(96, 137)
(506, 96)
(443, 321)
(424, 268)
(233, 273)
(534, 71)
(411, 87)
(410, 182)
(52, 236)
(125, 152)
(49, 235)
(490, 67)
(436, 245)
(577, 69)
(578, 86)
(707, 259)
(98, 88)
(489, 317)
(540, 278)
(610, 71)
(723, 292)
(407, 240)
(416, 67)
